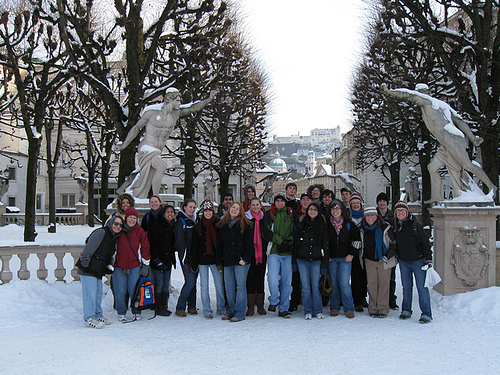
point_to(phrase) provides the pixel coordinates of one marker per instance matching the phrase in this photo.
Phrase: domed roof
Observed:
(277, 163)
(311, 153)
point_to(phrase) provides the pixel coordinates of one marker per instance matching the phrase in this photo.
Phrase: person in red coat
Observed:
(132, 249)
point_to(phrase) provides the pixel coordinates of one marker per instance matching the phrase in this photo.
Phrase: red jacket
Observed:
(125, 258)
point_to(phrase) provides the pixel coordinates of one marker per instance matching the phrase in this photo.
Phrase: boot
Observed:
(259, 301)
(251, 304)
(159, 305)
(164, 300)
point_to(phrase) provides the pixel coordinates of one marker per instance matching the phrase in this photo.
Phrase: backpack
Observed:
(144, 295)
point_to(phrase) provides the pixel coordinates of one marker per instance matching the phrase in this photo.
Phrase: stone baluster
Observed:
(23, 273)
(5, 275)
(60, 272)
(42, 272)
(74, 271)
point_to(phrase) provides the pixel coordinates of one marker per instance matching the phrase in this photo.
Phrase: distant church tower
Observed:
(311, 163)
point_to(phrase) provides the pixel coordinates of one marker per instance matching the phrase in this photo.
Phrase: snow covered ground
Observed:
(42, 332)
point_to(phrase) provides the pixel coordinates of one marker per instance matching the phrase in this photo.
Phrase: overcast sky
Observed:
(309, 51)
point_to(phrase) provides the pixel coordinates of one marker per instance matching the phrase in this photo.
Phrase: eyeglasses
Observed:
(116, 224)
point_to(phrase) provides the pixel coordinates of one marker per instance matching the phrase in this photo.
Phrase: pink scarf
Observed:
(337, 224)
(257, 239)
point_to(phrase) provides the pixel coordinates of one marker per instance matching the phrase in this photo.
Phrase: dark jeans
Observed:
(296, 296)
(188, 291)
(392, 287)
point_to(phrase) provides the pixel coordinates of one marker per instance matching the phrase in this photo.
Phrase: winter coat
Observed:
(264, 241)
(311, 241)
(133, 244)
(199, 247)
(411, 240)
(389, 216)
(278, 226)
(150, 220)
(233, 246)
(161, 239)
(341, 245)
(98, 252)
(368, 242)
(183, 233)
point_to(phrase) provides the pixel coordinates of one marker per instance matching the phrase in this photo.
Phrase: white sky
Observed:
(309, 51)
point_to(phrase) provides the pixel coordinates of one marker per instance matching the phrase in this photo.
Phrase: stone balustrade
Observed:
(24, 252)
(43, 219)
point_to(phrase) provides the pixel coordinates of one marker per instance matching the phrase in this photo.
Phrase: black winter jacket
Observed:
(311, 241)
(183, 232)
(161, 240)
(232, 246)
(340, 246)
(199, 247)
(412, 241)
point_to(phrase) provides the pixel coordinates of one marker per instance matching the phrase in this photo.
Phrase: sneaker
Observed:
(320, 316)
(209, 316)
(334, 313)
(137, 317)
(308, 317)
(424, 319)
(122, 318)
(272, 308)
(226, 317)
(373, 316)
(349, 314)
(381, 316)
(106, 321)
(93, 323)
(235, 319)
(285, 314)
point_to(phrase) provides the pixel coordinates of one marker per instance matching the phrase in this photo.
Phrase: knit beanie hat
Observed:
(382, 197)
(131, 211)
(207, 205)
(336, 202)
(370, 211)
(402, 205)
(280, 196)
(307, 195)
(354, 196)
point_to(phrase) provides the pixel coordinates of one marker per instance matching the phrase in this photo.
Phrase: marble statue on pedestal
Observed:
(159, 121)
(453, 134)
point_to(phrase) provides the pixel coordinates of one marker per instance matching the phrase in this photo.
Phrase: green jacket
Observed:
(278, 227)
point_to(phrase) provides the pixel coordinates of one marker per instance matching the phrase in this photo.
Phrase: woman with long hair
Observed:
(257, 273)
(203, 248)
(234, 253)
(310, 247)
(343, 243)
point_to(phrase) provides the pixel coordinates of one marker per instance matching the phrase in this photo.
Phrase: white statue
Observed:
(210, 185)
(448, 128)
(159, 121)
(82, 184)
(411, 185)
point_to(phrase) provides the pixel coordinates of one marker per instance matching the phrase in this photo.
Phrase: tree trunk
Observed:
(424, 158)
(104, 189)
(394, 170)
(34, 145)
(51, 172)
(189, 158)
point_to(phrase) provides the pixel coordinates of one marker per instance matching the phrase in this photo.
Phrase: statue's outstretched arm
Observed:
(199, 105)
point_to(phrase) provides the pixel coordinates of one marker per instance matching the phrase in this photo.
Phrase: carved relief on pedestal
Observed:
(470, 256)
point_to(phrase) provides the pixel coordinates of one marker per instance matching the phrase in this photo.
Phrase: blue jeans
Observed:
(91, 296)
(188, 291)
(309, 276)
(162, 282)
(279, 269)
(340, 273)
(219, 289)
(123, 282)
(235, 280)
(408, 269)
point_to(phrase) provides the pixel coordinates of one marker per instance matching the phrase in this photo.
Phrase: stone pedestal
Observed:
(464, 247)
(82, 208)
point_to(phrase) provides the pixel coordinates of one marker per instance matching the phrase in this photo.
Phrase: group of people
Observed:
(295, 240)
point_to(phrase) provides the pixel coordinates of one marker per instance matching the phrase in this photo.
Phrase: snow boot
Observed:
(159, 308)
(259, 301)
(250, 304)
